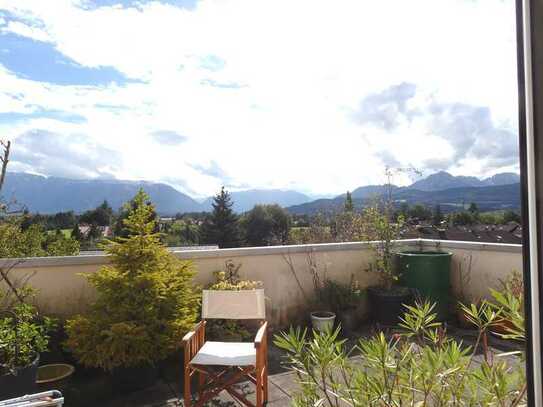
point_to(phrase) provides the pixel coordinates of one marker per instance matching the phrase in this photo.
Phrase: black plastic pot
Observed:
(130, 379)
(349, 320)
(387, 306)
(21, 383)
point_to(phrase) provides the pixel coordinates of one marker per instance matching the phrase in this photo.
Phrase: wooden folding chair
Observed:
(221, 365)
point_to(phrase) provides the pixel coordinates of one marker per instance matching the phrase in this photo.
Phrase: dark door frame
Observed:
(530, 84)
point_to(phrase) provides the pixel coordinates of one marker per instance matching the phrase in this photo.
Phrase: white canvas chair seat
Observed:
(226, 354)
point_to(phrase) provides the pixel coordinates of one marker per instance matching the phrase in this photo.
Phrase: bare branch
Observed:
(4, 158)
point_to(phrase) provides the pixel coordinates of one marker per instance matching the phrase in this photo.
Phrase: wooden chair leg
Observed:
(187, 396)
(259, 401)
(265, 379)
(201, 383)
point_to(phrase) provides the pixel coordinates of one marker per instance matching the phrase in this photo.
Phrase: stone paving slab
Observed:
(280, 388)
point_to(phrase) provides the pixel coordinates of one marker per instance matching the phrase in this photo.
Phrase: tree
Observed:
(473, 208)
(511, 216)
(403, 211)
(222, 227)
(348, 206)
(266, 225)
(420, 212)
(145, 300)
(120, 228)
(60, 245)
(438, 215)
(463, 218)
(100, 216)
(76, 233)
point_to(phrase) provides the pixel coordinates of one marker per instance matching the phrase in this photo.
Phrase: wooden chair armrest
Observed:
(261, 334)
(194, 340)
(188, 336)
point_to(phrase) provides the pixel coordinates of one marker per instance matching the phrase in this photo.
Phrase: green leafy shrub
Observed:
(60, 245)
(384, 232)
(226, 329)
(23, 335)
(340, 297)
(420, 367)
(145, 300)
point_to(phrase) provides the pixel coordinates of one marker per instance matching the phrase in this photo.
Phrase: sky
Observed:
(315, 96)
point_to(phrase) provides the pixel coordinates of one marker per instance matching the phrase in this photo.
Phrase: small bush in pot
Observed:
(344, 300)
(510, 292)
(322, 317)
(386, 299)
(23, 336)
(145, 303)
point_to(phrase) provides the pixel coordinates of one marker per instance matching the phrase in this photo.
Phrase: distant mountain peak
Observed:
(56, 194)
(442, 180)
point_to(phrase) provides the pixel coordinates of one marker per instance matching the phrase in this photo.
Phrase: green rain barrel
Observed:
(429, 274)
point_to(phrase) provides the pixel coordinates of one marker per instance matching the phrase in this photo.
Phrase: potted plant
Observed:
(464, 279)
(229, 330)
(344, 300)
(511, 290)
(144, 306)
(321, 319)
(387, 299)
(23, 336)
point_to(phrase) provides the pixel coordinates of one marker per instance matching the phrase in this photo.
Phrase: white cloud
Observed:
(302, 67)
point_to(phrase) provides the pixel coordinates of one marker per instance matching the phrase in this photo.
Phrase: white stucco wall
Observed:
(62, 290)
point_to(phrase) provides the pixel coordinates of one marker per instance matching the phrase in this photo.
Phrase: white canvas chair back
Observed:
(242, 304)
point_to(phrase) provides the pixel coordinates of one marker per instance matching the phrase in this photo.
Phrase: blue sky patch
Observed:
(212, 63)
(11, 117)
(40, 61)
(93, 4)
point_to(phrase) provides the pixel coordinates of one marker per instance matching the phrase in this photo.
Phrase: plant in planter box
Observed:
(145, 304)
(226, 329)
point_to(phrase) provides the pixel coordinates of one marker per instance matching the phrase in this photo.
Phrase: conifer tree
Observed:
(76, 233)
(222, 227)
(145, 300)
(348, 207)
(438, 215)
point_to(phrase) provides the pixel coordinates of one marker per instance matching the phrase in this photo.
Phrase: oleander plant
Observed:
(419, 366)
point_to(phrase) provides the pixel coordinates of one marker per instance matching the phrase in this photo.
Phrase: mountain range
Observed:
(54, 194)
(501, 191)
